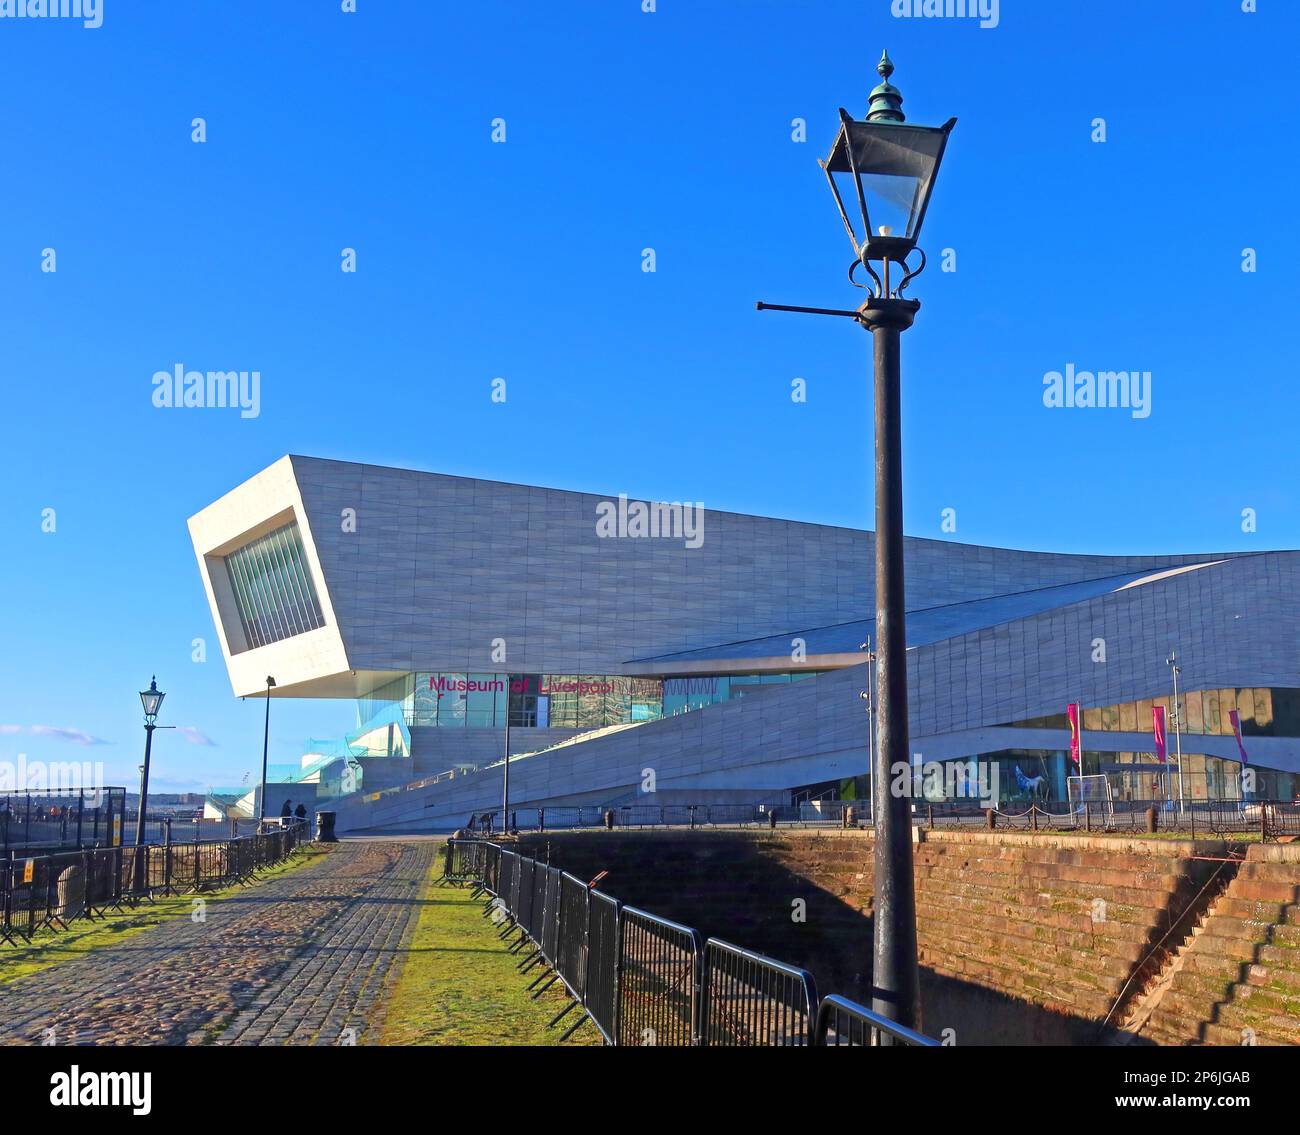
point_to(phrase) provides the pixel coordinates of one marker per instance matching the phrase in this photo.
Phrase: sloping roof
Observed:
(932, 624)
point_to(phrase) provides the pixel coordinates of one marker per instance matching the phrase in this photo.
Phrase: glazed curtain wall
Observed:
(560, 701)
(1265, 712)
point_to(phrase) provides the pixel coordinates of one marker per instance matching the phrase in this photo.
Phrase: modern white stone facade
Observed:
(416, 576)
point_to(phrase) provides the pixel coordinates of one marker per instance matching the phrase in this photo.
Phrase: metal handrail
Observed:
(834, 1008)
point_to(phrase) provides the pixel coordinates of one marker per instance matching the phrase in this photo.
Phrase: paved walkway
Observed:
(302, 959)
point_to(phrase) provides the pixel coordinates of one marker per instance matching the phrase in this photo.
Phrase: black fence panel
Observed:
(1280, 818)
(523, 909)
(537, 911)
(101, 877)
(551, 925)
(845, 1023)
(571, 944)
(460, 864)
(754, 1001)
(658, 980)
(507, 878)
(602, 976)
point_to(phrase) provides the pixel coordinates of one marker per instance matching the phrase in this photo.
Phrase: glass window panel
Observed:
(480, 700)
(1246, 708)
(1144, 720)
(273, 590)
(451, 705)
(561, 691)
(1263, 711)
(1213, 722)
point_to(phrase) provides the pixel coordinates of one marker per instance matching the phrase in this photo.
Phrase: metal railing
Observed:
(1269, 819)
(48, 892)
(659, 980)
(644, 980)
(842, 1023)
(752, 1000)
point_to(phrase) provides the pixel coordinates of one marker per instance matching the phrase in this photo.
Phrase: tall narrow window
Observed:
(273, 588)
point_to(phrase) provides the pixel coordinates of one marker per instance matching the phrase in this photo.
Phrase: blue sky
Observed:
(624, 130)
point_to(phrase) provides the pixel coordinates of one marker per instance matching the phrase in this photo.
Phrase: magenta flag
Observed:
(1072, 713)
(1158, 727)
(1235, 718)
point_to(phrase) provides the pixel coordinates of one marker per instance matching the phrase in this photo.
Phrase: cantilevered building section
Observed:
(728, 664)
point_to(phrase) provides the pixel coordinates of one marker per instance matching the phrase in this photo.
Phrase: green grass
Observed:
(49, 948)
(459, 985)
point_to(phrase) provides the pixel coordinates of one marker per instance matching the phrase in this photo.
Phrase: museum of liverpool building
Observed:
(650, 653)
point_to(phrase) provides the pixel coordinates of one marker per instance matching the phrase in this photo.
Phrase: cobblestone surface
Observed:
(301, 959)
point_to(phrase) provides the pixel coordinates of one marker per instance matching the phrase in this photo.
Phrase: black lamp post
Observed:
(505, 773)
(266, 740)
(151, 700)
(883, 170)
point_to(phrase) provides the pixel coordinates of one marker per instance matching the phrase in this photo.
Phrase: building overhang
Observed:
(313, 663)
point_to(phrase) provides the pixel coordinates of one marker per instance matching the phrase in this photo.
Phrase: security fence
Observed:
(829, 813)
(61, 819)
(1268, 819)
(644, 980)
(48, 892)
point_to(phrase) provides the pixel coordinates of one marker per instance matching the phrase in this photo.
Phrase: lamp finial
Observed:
(885, 103)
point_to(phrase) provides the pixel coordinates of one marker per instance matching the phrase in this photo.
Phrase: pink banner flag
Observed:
(1076, 739)
(1158, 728)
(1235, 718)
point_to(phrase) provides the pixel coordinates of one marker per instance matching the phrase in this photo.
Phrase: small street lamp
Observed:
(266, 740)
(151, 700)
(881, 172)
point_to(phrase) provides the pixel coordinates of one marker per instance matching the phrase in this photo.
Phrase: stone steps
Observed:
(1241, 974)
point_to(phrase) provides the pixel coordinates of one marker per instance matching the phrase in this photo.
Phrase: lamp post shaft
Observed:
(144, 782)
(895, 992)
(505, 774)
(266, 741)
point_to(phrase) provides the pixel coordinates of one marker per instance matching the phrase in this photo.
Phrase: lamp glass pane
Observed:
(896, 165)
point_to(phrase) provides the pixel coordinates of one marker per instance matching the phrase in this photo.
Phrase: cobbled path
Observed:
(304, 958)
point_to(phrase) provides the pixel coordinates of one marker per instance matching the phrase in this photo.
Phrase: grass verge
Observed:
(459, 985)
(51, 948)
